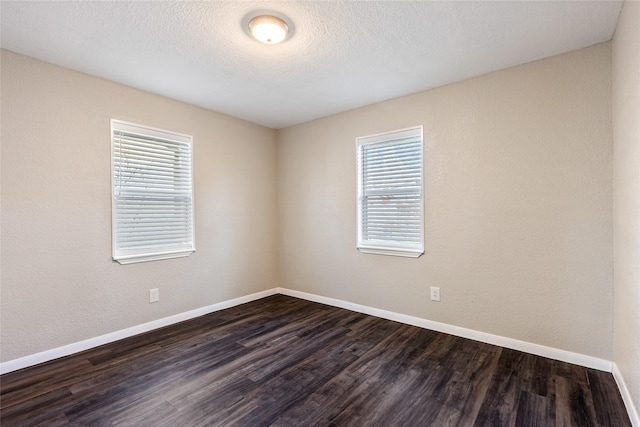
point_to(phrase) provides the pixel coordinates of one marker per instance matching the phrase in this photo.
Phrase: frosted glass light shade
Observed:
(268, 29)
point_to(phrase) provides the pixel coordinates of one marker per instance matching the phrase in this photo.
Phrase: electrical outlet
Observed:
(435, 293)
(154, 295)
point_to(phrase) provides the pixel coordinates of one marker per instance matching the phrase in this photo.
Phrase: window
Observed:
(152, 189)
(390, 205)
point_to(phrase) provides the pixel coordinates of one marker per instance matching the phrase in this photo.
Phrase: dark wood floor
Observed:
(282, 361)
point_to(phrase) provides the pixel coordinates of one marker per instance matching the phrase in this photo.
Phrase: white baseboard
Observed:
(45, 356)
(539, 350)
(626, 396)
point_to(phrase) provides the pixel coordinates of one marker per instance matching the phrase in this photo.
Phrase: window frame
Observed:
(388, 247)
(130, 256)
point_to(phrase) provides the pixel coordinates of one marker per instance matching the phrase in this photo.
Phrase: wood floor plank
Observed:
(574, 404)
(606, 397)
(282, 361)
(22, 385)
(294, 385)
(40, 410)
(501, 401)
(535, 410)
(469, 388)
(384, 369)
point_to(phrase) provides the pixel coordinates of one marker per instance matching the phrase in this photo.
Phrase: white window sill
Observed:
(407, 253)
(132, 259)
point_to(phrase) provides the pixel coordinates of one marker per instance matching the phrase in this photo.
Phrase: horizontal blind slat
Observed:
(371, 161)
(148, 166)
(165, 156)
(131, 137)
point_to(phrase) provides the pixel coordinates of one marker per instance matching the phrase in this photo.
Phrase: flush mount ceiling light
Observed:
(268, 29)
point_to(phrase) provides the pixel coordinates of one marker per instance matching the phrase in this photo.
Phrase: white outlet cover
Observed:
(154, 295)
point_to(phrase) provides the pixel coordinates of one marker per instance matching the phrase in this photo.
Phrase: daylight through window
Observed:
(390, 193)
(152, 188)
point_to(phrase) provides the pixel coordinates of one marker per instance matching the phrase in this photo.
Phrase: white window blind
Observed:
(152, 193)
(390, 205)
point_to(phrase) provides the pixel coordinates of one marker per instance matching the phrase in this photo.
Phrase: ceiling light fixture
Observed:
(268, 29)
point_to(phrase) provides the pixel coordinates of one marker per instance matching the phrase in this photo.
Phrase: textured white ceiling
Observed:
(341, 54)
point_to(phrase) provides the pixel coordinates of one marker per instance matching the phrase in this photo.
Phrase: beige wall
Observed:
(626, 197)
(518, 185)
(59, 285)
(518, 220)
